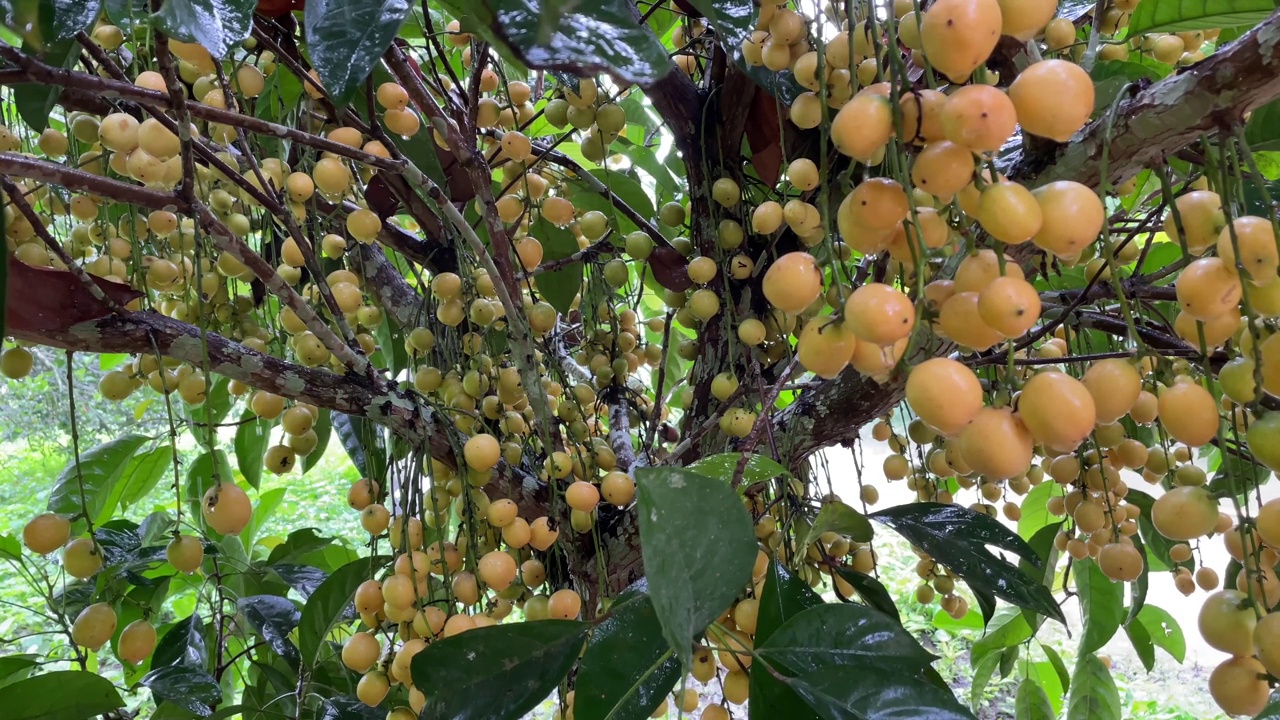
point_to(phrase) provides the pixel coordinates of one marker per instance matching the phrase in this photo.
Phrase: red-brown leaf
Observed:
(44, 300)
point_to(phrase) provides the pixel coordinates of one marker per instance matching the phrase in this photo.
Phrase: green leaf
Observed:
(268, 503)
(218, 25)
(1031, 702)
(60, 695)
(1164, 630)
(628, 668)
(323, 429)
(1103, 603)
(273, 618)
(1093, 691)
(1181, 15)
(839, 518)
(252, 437)
(578, 38)
(68, 17)
(982, 677)
(330, 604)
(140, 477)
(1140, 639)
(361, 439)
(783, 597)
(347, 37)
(734, 20)
(680, 509)
(958, 538)
(100, 469)
(1009, 627)
(1059, 668)
(208, 469)
(189, 688)
(877, 692)
(126, 14)
(759, 468)
(871, 591)
(842, 635)
(557, 287)
(1262, 132)
(1270, 712)
(183, 644)
(496, 672)
(213, 410)
(35, 102)
(1035, 509)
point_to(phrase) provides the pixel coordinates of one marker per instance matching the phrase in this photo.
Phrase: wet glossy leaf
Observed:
(874, 693)
(734, 20)
(302, 578)
(1009, 627)
(757, 470)
(60, 695)
(1103, 604)
(958, 538)
(497, 672)
(218, 25)
(841, 519)
(871, 591)
(784, 596)
(628, 668)
(65, 18)
(252, 437)
(582, 39)
(1031, 702)
(183, 644)
(1093, 691)
(1270, 712)
(100, 468)
(35, 102)
(330, 604)
(346, 38)
(273, 618)
(679, 509)
(362, 441)
(1179, 15)
(837, 635)
(187, 687)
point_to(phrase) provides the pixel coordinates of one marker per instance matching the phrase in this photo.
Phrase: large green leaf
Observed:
(678, 510)
(958, 538)
(360, 438)
(1155, 628)
(252, 437)
(578, 38)
(60, 695)
(1103, 604)
(100, 469)
(557, 287)
(842, 635)
(330, 604)
(144, 472)
(758, 469)
(841, 519)
(1262, 132)
(1031, 702)
(216, 24)
(1181, 15)
(1093, 691)
(323, 429)
(64, 18)
(346, 37)
(498, 672)
(783, 597)
(871, 591)
(1008, 628)
(628, 668)
(1035, 509)
(35, 102)
(189, 688)
(877, 693)
(734, 20)
(273, 618)
(183, 644)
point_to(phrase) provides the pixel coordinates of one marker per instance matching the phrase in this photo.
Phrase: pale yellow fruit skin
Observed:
(94, 626)
(959, 35)
(1054, 99)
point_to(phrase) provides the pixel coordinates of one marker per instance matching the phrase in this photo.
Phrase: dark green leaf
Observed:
(214, 409)
(331, 603)
(1181, 15)
(1262, 132)
(183, 645)
(832, 635)
(299, 543)
(1103, 603)
(68, 17)
(100, 469)
(252, 437)
(273, 618)
(679, 509)
(734, 20)
(628, 668)
(323, 429)
(958, 538)
(582, 39)
(1009, 627)
(216, 24)
(839, 518)
(347, 37)
(784, 596)
(1237, 475)
(16, 667)
(187, 687)
(757, 470)
(362, 441)
(872, 591)
(982, 677)
(60, 695)
(302, 578)
(1093, 691)
(1270, 712)
(1059, 667)
(144, 472)
(498, 672)
(1140, 639)
(128, 13)
(1031, 702)
(557, 287)
(876, 693)
(1164, 631)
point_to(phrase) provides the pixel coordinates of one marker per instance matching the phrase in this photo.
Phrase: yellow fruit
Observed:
(1185, 513)
(1256, 240)
(226, 508)
(1202, 219)
(373, 688)
(942, 169)
(1121, 561)
(824, 347)
(497, 569)
(1266, 638)
(1054, 99)
(793, 282)
(980, 118)
(16, 363)
(961, 321)
(958, 35)
(185, 553)
(997, 444)
(94, 626)
(82, 558)
(1057, 409)
(1239, 687)
(877, 204)
(137, 640)
(1009, 305)
(1189, 413)
(922, 116)
(564, 605)
(1024, 19)
(879, 314)
(45, 533)
(1009, 212)
(863, 126)
(1208, 288)
(482, 452)
(1114, 384)
(944, 393)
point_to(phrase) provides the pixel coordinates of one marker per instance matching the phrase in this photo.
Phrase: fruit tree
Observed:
(584, 291)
